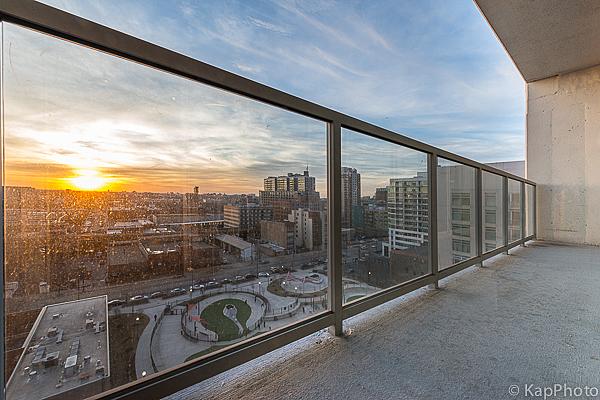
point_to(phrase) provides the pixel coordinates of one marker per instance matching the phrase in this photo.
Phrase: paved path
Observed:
(143, 362)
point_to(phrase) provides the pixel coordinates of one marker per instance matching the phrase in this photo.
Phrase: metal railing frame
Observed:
(61, 24)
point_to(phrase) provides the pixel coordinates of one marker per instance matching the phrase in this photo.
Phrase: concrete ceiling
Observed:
(546, 37)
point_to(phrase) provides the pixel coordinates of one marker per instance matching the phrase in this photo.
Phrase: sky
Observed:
(431, 70)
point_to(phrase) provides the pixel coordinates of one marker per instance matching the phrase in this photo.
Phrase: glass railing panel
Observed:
(456, 208)
(385, 214)
(514, 210)
(492, 213)
(149, 219)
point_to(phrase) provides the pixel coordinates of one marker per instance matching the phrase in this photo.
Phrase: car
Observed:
(263, 274)
(212, 284)
(139, 299)
(115, 303)
(250, 276)
(225, 281)
(198, 286)
(314, 275)
(274, 270)
(177, 291)
(156, 295)
(239, 278)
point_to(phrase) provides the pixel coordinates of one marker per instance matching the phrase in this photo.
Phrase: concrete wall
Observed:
(563, 155)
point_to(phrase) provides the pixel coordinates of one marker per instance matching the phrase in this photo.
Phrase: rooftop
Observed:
(125, 253)
(66, 349)
(472, 339)
(234, 241)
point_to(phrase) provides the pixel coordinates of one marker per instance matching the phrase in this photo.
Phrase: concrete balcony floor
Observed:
(529, 318)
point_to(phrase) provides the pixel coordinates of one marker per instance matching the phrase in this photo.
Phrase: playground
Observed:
(197, 323)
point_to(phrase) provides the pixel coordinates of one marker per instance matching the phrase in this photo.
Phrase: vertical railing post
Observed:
(523, 212)
(534, 227)
(334, 226)
(506, 213)
(479, 212)
(433, 229)
(2, 182)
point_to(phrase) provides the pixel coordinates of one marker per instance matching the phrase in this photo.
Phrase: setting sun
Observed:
(89, 180)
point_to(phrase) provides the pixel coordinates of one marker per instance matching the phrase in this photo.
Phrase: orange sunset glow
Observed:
(89, 180)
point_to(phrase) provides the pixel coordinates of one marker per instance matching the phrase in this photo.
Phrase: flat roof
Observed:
(67, 348)
(124, 253)
(234, 241)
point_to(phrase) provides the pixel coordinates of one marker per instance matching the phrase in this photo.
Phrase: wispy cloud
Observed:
(268, 26)
(431, 70)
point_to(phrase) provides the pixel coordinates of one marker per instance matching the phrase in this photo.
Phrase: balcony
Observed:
(523, 319)
(127, 274)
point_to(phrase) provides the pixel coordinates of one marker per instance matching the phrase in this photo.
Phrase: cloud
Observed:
(267, 25)
(248, 69)
(431, 71)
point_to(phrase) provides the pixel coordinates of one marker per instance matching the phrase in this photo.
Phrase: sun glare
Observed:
(89, 180)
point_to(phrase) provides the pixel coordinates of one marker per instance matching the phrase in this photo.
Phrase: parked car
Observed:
(178, 291)
(156, 295)
(225, 281)
(198, 286)
(275, 270)
(263, 274)
(213, 284)
(239, 278)
(250, 276)
(115, 303)
(139, 299)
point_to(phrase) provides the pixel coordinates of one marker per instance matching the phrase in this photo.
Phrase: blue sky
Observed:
(431, 70)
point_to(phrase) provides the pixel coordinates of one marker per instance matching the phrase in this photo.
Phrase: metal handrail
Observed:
(52, 21)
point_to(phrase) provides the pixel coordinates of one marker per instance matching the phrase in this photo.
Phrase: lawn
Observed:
(223, 326)
(354, 298)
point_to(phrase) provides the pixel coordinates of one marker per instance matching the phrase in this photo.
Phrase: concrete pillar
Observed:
(563, 155)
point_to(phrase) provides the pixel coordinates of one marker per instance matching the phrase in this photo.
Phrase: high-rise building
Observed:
(291, 183)
(288, 192)
(408, 212)
(270, 184)
(350, 194)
